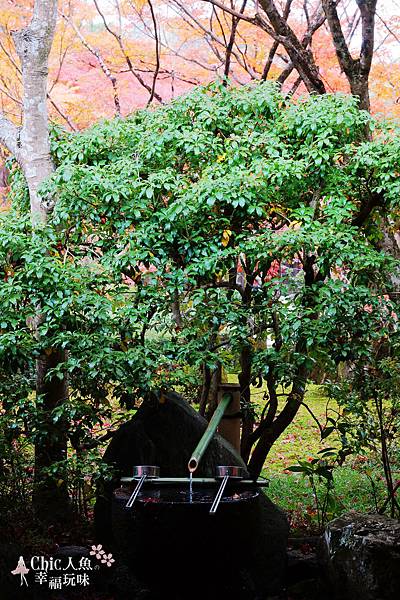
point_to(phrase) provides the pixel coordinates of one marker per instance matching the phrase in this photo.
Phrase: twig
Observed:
(156, 36)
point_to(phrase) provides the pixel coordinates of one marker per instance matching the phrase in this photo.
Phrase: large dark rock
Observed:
(164, 432)
(305, 573)
(181, 551)
(363, 557)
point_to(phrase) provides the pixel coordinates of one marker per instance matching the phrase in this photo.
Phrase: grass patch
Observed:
(302, 438)
(353, 490)
(358, 484)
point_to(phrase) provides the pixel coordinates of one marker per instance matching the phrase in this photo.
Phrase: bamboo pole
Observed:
(209, 432)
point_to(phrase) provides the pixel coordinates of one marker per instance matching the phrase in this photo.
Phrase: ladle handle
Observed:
(218, 497)
(136, 491)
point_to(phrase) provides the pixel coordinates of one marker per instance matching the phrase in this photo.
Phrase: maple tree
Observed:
(98, 68)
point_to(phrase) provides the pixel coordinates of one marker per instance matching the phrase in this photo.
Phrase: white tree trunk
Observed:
(30, 144)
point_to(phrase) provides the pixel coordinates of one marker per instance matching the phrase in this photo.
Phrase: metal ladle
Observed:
(141, 473)
(226, 473)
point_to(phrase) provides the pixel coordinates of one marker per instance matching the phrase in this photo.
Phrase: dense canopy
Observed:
(233, 227)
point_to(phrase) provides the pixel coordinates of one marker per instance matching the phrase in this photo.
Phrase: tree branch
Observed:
(373, 201)
(281, 32)
(118, 38)
(345, 59)
(300, 56)
(33, 45)
(9, 135)
(213, 36)
(315, 22)
(229, 47)
(157, 42)
(275, 45)
(367, 10)
(231, 11)
(104, 67)
(356, 70)
(393, 33)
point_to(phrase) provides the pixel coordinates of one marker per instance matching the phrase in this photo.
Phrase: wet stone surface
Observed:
(362, 554)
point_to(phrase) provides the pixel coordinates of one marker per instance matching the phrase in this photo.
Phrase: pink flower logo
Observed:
(97, 551)
(108, 559)
(100, 554)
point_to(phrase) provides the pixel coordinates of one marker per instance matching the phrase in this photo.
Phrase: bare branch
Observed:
(106, 70)
(231, 11)
(300, 56)
(367, 10)
(295, 86)
(356, 70)
(157, 42)
(285, 74)
(215, 38)
(281, 32)
(229, 47)
(393, 33)
(346, 61)
(64, 116)
(118, 38)
(275, 45)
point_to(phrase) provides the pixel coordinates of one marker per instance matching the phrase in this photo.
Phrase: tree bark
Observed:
(390, 244)
(9, 136)
(246, 359)
(51, 500)
(357, 70)
(272, 426)
(229, 47)
(212, 399)
(33, 45)
(245, 396)
(300, 56)
(271, 433)
(275, 45)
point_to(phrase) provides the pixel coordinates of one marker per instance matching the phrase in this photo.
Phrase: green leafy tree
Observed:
(233, 229)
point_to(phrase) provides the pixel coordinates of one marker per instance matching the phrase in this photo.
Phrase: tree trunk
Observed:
(282, 421)
(50, 498)
(390, 243)
(31, 147)
(359, 87)
(356, 70)
(212, 398)
(205, 390)
(245, 396)
(33, 46)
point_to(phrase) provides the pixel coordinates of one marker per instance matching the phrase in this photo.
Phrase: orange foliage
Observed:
(191, 51)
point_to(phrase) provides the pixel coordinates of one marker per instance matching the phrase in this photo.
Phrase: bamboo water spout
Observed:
(209, 432)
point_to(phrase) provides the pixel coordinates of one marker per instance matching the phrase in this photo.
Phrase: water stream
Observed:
(190, 486)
